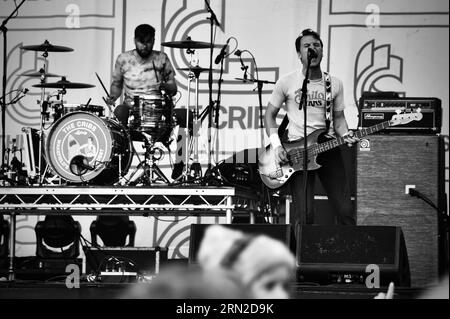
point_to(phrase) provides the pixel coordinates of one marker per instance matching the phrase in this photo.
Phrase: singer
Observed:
(322, 90)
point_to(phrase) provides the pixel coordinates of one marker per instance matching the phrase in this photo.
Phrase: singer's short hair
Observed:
(306, 32)
(144, 32)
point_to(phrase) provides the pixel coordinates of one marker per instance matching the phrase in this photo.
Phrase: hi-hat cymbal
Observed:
(189, 44)
(38, 74)
(64, 84)
(47, 47)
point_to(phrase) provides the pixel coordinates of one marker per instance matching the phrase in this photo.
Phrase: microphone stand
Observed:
(210, 174)
(216, 118)
(4, 30)
(303, 103)
(213, 20)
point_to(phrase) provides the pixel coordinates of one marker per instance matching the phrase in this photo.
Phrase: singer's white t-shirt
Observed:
(287, 94)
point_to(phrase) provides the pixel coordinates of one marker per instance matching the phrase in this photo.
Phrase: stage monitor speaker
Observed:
(332, 254)
(142, 260)
(387, 166)
(281, 232)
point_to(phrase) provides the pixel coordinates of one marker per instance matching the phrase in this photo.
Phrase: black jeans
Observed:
(333, 178)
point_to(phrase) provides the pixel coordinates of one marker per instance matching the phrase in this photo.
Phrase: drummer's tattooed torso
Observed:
(139, 76)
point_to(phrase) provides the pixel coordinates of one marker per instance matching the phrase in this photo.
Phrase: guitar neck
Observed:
(326, 146)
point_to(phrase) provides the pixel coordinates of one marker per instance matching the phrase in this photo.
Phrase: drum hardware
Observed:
(15, 174)
(150, 173)
(64, 84)
(191, 171)
(43, 105)
(4, 31)
(190, 44)
(40, 74)
(47, 47)
(61, 85)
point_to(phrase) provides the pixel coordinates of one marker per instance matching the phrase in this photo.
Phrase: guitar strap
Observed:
(328, 113)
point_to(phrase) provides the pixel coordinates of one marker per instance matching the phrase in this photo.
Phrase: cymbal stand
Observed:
(184, 176)
(213, 22)
(196, 170)
(4, 31)
(43, 115)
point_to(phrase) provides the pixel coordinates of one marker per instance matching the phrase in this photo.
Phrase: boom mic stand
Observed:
(261, 125)
(214, 177)
(4, 30)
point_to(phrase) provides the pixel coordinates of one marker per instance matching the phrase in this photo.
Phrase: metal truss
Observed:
(142, 201)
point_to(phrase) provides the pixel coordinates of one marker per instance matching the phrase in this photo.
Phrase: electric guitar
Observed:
(275, 175)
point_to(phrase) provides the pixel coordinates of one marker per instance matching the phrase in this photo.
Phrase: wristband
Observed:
(349, 133)
(274, 140)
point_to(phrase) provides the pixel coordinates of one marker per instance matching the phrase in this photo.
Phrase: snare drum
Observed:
(152, 113)
(103, 144)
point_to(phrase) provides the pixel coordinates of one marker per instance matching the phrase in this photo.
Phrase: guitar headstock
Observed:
(404, 118)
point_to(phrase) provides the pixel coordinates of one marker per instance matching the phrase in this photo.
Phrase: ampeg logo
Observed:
(78, 134)
(374, 116)
(364, 145)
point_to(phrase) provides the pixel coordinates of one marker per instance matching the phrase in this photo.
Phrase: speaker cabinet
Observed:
(280, 232)
(332, 254)
(386, 167)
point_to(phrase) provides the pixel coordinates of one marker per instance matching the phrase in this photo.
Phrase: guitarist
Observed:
(322, 90)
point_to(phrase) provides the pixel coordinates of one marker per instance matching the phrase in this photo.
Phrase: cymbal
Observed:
(64, 84)
(189, 44)
(253, 80)
(47, 47)
(195, 69)
(38, 74)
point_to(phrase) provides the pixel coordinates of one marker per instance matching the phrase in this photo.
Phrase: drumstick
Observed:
(154, 69)
(107, 94)
(103, 86)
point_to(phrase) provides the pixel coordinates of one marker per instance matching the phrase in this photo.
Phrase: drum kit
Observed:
(83, 146)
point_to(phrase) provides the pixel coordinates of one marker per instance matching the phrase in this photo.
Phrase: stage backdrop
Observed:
(376, 45)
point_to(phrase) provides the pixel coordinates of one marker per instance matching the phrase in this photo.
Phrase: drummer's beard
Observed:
(144, 53)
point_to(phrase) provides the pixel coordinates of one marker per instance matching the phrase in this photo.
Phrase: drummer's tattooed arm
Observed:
(169, 84)
(116, 82)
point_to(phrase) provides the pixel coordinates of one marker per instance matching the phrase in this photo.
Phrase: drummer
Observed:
(139, 71)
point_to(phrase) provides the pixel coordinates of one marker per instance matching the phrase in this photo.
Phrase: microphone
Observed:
(312, 54)
(222, 53)
(243, 66)
(17, 99)
(79, 165)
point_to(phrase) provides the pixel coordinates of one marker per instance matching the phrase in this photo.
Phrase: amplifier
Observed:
(377, 110)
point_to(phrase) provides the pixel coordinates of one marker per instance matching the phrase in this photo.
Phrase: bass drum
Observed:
(81, 147)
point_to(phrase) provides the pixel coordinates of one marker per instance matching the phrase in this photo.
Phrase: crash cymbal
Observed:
(254, 80)
(47, 47)
(64, 84)
(195, 69)
(189, 44)
(38, 74)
